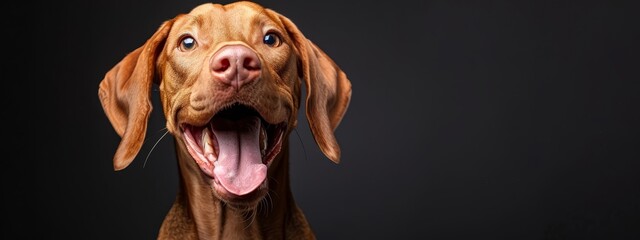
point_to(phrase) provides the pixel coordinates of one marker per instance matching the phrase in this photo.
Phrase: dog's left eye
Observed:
(271, 39)
(187, 43)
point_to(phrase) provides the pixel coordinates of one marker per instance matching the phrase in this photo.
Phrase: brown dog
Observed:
(230, 80)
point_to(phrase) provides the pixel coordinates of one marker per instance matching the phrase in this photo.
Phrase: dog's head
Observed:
(229, 79)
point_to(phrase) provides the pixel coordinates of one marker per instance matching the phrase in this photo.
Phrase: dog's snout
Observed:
(235, 65)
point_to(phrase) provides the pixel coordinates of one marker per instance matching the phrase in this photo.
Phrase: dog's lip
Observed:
(262, 113)
(202, 144)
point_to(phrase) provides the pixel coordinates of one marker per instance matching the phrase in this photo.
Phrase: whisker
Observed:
(301, 143)
(252, 213)
(154, 146)
(274, 180)
(264, 204)
(272, 194)
(269, 201)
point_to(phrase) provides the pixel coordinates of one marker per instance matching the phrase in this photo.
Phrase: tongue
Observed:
(239, 168)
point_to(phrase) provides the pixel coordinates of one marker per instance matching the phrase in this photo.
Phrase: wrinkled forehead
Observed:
(238, 10)
(225, 19)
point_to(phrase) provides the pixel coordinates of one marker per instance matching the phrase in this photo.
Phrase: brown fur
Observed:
(189, 95)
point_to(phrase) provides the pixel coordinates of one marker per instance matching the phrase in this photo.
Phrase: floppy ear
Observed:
(125, 95)
(328, 91)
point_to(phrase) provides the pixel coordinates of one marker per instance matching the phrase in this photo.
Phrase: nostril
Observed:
(221, 65)
(251, 63)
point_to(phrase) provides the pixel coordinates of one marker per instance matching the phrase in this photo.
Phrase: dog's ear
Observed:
(328, 90)
(125, 95)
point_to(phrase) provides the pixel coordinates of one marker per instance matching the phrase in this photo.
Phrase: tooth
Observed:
(263, 141)
(207, 143)
(203, 137)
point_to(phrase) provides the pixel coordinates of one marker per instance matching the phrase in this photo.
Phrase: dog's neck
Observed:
(198, 214)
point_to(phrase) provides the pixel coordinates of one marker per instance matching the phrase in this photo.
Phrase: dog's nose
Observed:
(235, 65)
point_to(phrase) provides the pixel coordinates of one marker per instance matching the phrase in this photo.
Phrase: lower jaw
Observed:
(244, 201)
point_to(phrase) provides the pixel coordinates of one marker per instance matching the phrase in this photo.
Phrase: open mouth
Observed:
(235, 148)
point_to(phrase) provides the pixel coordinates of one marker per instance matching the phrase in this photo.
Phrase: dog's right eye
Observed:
(187, 43)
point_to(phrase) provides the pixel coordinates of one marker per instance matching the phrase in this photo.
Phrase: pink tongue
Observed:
(239, 168)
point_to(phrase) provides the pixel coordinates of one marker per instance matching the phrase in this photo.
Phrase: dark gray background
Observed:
(469, 120)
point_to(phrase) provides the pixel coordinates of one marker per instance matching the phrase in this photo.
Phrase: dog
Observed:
(229, 79)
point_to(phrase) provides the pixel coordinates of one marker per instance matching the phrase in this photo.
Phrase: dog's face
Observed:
(229, 89)
(229, 79)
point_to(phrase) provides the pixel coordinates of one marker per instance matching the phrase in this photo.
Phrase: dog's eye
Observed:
(187, 43)
(271, 39)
